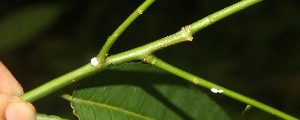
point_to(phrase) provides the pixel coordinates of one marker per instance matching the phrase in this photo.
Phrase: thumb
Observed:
(11, 106)
(8, 84)
(18, 109)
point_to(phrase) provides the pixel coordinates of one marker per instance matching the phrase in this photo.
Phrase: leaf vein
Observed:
(111, 108)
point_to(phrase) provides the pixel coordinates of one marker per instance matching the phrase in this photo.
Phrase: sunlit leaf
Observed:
(121, 95)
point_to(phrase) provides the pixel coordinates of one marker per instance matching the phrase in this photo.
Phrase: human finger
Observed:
(8, 84)
(18, 109)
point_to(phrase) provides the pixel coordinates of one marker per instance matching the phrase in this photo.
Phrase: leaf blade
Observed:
(131, 95)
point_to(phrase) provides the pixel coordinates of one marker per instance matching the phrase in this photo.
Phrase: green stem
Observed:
(208, 20)
(87, 70)
(185, 34)
(111, 39)
(65, 96)
(60, 82)
(204, 83)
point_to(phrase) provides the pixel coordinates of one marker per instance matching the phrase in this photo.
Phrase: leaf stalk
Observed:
(204, 83)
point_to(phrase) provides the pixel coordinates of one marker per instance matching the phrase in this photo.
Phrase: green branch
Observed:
(216, 88)
(64, 95)
(90, 69)
(208, 20)
(185, 34)
(60, 82)
(111, 39)
(144, 53)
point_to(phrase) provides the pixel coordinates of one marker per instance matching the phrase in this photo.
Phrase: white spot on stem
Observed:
(140, 12)
(220, 91)
(214, 90)
(94, 61)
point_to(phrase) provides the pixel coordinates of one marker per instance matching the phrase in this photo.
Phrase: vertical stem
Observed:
(111, 39)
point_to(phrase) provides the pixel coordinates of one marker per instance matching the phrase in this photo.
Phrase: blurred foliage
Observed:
(255, 52)
(18, 27)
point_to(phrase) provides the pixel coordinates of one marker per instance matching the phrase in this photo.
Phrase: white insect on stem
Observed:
(94, 61)
(214, 90)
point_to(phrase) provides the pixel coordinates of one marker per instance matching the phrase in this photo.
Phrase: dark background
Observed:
(255, 52)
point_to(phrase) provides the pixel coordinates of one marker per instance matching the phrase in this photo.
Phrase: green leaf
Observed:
(121, 95)
(20, 26)
(40, 116)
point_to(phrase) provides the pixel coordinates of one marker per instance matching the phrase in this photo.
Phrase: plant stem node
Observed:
(186, 32)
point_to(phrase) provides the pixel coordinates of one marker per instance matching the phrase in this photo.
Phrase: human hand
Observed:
(12, 107)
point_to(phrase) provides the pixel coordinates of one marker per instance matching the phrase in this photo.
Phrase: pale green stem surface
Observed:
(134, 54)
(88, 70)
(204, 83)
(65, 96)
(111, 39)
(60, 82)
(140, 53)
(208, 20)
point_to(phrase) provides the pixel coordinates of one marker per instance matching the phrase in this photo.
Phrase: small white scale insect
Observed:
(94, 61)
(214, 90)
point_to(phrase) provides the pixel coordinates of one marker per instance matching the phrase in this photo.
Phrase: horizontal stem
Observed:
(208, 20)
(60, 82)
(185, 34)
(204, 83)
(89, 69)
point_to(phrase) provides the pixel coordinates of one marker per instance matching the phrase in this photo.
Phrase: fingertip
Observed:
(8, 84)
(20, 110)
